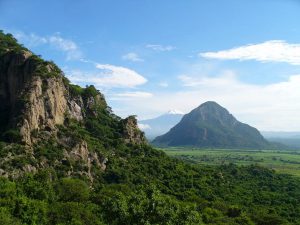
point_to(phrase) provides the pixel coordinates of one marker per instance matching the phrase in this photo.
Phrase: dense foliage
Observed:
(8, 42)
(140, 185)
(153, 189)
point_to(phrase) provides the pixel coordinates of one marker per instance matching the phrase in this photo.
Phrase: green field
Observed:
(282, 161)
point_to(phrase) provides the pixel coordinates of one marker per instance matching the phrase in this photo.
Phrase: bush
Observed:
(6, 218)
(7, 188)
(12, 136)
(73, 190)
(90, 91)
(75, 90)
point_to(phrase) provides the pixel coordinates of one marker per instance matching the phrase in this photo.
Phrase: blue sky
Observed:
(151, 56)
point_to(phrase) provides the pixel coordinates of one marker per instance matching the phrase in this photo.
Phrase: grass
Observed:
(283, 161)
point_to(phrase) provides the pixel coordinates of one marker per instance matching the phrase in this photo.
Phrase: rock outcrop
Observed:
(16, 70)
(45, 108)
(42, 101)
(132, 134)
(38, 108)
(80, 153)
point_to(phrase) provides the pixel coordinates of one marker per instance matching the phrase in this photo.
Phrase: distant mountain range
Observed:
(161, 124)
(281, 134)
(290, 139)
(211, 125)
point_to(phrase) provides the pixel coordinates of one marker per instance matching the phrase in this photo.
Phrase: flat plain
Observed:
(282, 161)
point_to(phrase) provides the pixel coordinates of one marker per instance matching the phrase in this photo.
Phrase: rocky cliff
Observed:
(39, 107)
(38, 95)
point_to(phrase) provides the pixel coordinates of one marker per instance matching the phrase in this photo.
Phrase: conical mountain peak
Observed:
(211, 125)
(211, 107)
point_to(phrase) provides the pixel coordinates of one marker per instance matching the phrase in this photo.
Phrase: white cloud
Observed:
(135, 94)
(131, 56)
(119, 76)
(227, 78)
(109, 76)
(188, 80)
(144, 126)
(160, 48)
(269, 51)
(67, 46)
(268, 107)
(31, 40)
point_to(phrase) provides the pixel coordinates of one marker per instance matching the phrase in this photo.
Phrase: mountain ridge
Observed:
(211, 125)
(161, 124)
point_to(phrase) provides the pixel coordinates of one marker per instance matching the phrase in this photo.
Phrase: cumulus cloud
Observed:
(160, 48)
(131, 56)
(269, 51)
(69, 47)
(119, 76)
(227, 78)
(109, 76)
(268, 107)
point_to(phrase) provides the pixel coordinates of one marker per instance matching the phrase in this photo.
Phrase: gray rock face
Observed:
(38, 104)
(34, 103)
(16, 71)
(81, 153)
(45, 100)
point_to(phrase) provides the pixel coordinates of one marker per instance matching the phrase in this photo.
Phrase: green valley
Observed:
(282, 161)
